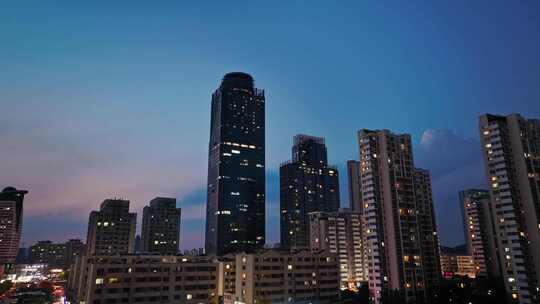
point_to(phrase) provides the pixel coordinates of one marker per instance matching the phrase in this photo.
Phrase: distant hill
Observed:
(457, 250)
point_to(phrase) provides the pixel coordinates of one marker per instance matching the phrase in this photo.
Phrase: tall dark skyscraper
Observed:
(11, 213)
(235, 211)
(161, 226)
(307, 184)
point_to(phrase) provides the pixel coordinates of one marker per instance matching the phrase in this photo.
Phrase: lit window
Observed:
(289, 267)
(99, 281)
(113, 280)
(235, 151)
(189, 296)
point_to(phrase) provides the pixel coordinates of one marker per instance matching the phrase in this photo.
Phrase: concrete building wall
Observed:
(511, 150)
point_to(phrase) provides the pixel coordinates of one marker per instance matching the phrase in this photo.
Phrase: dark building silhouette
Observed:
(111, 230)
(307, 184)
(22, 256)
(138, 245)
(235, 213)
(74, 248)
(11, 213)
(353, 175)
(427, 230)
(161, 226)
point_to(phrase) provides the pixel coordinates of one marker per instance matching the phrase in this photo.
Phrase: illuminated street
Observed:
(34, 283)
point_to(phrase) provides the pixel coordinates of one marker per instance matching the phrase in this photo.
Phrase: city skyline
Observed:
(78, 134)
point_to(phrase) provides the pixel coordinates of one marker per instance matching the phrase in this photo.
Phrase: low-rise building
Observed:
(462, 265)
(52, 254)
(274, 276)
(269, 276)
(144, 279)
(47, 252)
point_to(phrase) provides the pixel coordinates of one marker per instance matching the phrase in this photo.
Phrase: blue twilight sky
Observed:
(102, 99)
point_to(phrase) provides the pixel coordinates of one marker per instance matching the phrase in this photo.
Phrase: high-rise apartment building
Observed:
(235, 212)
(11, 215)
(111, 230)
(479, 231)
(397, 214)
(340, 233)
(161, 226)
(429, 239)
(511, 150)
(353, 174)
(307, 184)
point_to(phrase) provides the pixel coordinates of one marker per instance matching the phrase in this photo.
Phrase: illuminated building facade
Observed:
(111, 230)
(340, 233)
(145, 279)
(235, 211)
(60, 255)
(47, 252)
(511, 150)
(11, 215)
(307, 184)
(275, 276)
(479, 231)
(268, 276)
(161, 226)
(400, 235)
(462, 265)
